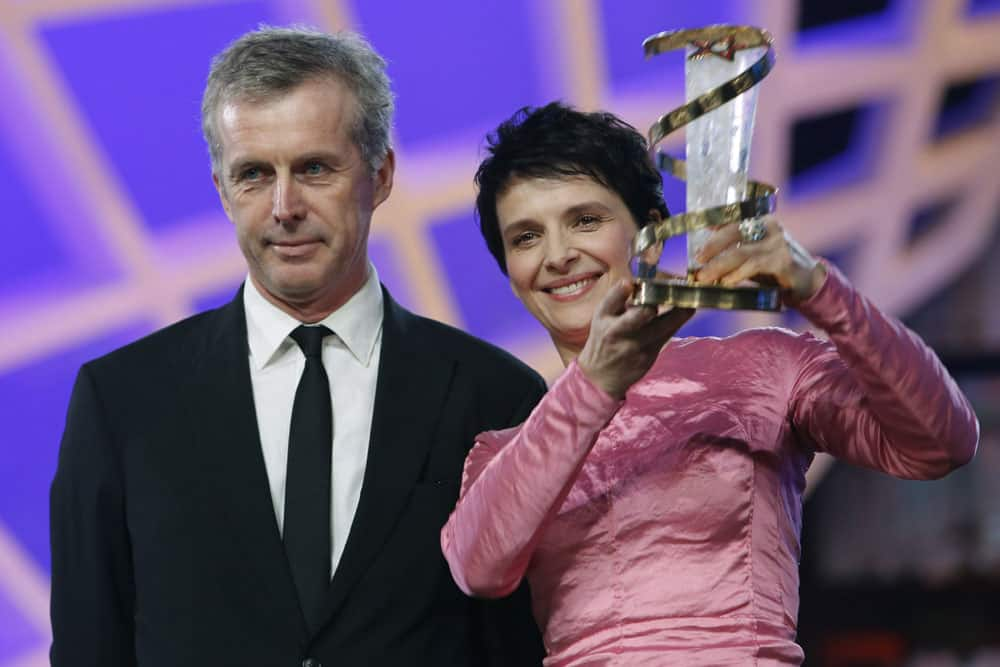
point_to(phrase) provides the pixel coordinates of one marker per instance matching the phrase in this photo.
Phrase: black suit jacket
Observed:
(165, 549)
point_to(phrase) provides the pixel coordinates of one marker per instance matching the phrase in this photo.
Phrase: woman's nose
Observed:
(560, 256)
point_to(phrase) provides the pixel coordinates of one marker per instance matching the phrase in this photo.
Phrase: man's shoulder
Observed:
(164, 346)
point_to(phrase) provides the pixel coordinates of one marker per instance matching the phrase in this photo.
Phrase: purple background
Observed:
(127, 85)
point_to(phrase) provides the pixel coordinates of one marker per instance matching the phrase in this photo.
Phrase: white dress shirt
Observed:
(351, 358)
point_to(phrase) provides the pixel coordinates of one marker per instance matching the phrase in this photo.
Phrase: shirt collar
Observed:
(357, 323)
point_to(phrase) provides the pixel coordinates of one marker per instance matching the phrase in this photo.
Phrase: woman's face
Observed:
(566, 240)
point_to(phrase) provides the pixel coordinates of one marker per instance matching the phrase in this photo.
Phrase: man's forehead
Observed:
(318, 115)
(251, 97)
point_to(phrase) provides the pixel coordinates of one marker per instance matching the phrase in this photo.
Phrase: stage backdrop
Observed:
(878, 124)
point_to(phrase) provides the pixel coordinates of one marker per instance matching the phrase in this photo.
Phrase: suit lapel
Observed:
(221, 399)
(412, 386)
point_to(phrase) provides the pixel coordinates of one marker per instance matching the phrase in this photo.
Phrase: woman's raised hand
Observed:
(776, 258)
(625, 340)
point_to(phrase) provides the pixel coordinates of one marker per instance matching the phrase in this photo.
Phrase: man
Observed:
(209, 507)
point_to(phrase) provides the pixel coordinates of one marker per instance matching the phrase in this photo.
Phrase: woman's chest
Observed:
(681, 451)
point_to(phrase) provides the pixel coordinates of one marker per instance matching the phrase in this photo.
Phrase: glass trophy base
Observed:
(684, 294)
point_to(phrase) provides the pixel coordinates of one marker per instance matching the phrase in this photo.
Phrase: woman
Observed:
(653, 498)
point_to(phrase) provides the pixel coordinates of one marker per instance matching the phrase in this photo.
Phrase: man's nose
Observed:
(289, 206)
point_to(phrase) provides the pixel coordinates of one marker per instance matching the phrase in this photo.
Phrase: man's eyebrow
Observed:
(325, 156)
(237, 167)
(334, 159)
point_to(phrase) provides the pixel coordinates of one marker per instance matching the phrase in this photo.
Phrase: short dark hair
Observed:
(556, 141)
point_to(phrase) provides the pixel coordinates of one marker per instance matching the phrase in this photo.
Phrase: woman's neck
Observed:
(568, 351)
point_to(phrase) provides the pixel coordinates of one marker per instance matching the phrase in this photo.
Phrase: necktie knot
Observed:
(310, 339)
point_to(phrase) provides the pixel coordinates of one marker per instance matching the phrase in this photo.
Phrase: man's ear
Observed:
(383, 179)
(220, 187)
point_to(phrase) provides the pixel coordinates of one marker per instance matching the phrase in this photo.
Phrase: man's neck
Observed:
(312, 310)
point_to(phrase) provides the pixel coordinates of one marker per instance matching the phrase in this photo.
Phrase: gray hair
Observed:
(269, 62)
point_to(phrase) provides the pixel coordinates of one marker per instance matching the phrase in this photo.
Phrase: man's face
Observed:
(295, 185)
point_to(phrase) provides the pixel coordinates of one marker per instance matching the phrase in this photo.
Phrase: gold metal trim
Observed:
(685, 294)
(761, 198)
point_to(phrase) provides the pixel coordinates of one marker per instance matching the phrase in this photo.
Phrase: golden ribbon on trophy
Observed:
(723, 65)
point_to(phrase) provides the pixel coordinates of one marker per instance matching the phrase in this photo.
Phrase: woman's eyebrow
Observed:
(583, 207)
(518, 226)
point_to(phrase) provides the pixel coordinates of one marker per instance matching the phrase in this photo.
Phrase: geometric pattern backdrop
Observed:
(880, 129)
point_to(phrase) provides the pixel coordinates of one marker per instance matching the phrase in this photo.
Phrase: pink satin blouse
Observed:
(664, 529)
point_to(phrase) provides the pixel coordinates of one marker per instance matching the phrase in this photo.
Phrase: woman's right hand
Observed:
(624, 341)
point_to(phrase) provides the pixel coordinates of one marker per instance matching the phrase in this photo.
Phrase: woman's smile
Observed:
(571, 289)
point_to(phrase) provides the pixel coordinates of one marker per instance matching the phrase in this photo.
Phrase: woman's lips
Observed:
(568, 291)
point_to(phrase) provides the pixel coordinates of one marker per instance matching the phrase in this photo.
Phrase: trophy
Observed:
(723, 65)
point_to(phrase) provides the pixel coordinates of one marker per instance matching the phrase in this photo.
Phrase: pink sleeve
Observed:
(515, 481)
(881, 398)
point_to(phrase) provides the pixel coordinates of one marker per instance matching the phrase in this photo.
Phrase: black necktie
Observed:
(307, 485)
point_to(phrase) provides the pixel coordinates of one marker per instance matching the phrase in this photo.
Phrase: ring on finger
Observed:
(752, 231)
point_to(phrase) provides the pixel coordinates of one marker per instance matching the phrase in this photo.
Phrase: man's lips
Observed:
(294, 249)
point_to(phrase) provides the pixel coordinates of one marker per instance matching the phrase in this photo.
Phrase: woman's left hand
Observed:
(727, 259)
